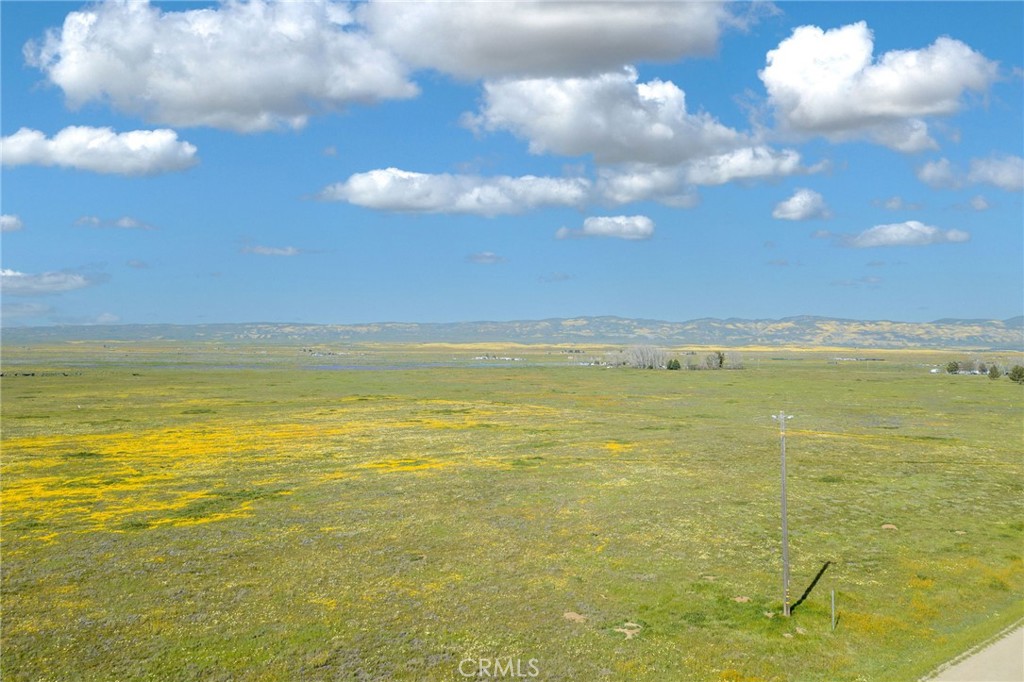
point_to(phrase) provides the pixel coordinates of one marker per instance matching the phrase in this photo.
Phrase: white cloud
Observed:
(392, 189)
(272, 250)
(14, 283)
(676, 185)
(749, 163)
(611, 116)
(244, 66)
(979, 203)
(805, 204)
(1005, 172)
(530, 38)
(101, 150)
(10, 223)
(634, 228)
(485, 258)
(122, 223)
(129, 223)
(908, 136)
(642, 182)
(828, 83)
(939, 174)
(898, 203)
(909, 233)
(106, 318)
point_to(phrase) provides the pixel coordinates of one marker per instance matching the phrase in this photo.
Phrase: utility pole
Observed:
(781, 417)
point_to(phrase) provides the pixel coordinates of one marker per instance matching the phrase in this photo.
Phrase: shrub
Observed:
(1017, 374)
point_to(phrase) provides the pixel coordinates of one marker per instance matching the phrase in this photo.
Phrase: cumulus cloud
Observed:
(1005, 172)
(531, 38)
(939, 174)
(643, 182)
(14, 283)
(634, 228)
(611, 116)
(271, 250)
(829, 83)
(244, 66)
(101, 150)
(485, 258)
(909, 233)
(805, 204)
(392, 189)
(749, 163)
(905, 136)
(677, 185)
(979, 203)
(10, 223)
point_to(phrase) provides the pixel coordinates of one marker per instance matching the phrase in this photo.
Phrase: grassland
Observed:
(200, 512)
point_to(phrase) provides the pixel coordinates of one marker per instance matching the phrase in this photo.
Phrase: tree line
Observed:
(652, 357)
(994, 371)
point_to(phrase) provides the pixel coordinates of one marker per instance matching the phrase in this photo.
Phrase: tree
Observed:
(994, 372)
(674, 364)
(646, 357)
(953, 367)
(714, 360)
(1017, 374)
(733, 360)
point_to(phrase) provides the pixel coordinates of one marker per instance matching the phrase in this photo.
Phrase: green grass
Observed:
(198, 512)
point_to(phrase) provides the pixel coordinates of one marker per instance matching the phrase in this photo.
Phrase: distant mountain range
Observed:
(804, 331)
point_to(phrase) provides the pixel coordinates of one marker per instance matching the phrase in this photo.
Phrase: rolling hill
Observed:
(803, 331)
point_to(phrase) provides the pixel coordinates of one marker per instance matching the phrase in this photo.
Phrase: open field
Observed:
(197, 511)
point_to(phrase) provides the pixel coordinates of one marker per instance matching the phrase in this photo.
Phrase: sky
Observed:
(334, 162)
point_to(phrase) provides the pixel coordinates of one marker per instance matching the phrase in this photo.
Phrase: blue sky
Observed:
(335, 163)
